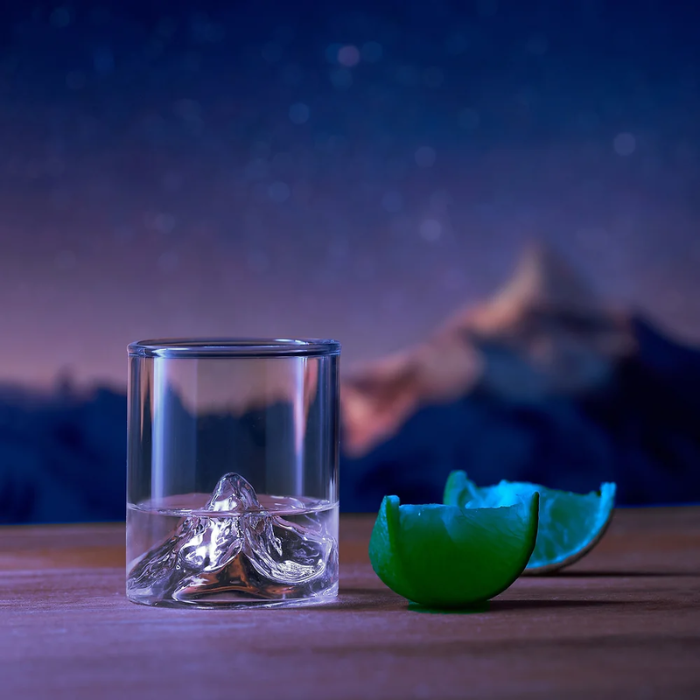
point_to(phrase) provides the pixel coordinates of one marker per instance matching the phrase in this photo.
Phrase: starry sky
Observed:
(351, 170)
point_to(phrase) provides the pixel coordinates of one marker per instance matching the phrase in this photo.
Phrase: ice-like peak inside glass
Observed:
(234, 549)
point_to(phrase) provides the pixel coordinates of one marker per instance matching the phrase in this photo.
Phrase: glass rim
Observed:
(201, 348)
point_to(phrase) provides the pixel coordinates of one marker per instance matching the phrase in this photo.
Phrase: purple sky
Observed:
(358, 174)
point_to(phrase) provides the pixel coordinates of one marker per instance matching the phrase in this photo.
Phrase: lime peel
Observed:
(446, 557)
(570, 524)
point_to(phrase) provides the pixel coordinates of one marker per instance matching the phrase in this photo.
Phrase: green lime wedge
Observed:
(570, 524)
(442, 556)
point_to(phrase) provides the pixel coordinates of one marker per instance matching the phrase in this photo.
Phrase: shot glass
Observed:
(232, 472)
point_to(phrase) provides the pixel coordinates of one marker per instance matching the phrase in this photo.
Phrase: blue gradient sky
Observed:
(356, 170)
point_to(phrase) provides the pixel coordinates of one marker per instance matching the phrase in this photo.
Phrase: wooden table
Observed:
(624, 623)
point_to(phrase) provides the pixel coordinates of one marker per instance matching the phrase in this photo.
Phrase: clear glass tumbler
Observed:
(232, 472)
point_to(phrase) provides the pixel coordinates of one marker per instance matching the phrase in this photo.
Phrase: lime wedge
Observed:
(570, 524)
(442, 556)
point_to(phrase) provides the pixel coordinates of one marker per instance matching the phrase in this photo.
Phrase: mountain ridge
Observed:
(544, 382)
(567, 395)
(545, 332)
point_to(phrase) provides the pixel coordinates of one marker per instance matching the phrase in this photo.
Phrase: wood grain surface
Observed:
(623, 623)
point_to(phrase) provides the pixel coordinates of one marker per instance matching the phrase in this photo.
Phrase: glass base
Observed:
(228, 601)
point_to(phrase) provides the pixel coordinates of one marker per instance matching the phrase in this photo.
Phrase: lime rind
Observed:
(570, 524)
(580, 541)
(442, 556)
(383, 548)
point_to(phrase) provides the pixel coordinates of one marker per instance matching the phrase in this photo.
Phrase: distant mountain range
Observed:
(62, 455)
(543, 383)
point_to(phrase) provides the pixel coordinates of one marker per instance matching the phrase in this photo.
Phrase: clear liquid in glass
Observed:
(277, 551)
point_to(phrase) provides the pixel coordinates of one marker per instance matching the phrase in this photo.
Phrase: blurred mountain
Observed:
(544, 383)
(544, 334)
(62, 454)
